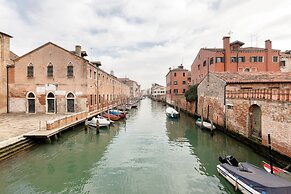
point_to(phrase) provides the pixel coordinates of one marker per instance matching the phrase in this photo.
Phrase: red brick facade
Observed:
(251, 105)
(177, 81)
(235, 58)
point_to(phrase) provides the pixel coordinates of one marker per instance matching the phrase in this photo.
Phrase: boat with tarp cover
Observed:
(250, 179)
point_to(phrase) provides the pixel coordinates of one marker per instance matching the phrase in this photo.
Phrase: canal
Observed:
(147, 153)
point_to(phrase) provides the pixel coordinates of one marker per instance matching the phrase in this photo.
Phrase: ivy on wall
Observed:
(191, 95)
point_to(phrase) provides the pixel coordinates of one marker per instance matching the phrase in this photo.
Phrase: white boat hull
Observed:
(172, 113)
(205, 125)
(238, 184)
(102, 122)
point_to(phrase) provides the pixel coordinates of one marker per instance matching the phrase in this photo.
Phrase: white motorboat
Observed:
(204, 124)
(251, 179)
(102, 122)
(172, 113)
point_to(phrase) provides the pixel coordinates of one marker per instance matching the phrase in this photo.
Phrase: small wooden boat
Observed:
(111, 116)
(172, 113)
(251, 179)
(119, 113)
(204, 124)
(278, 171)
(101, 122)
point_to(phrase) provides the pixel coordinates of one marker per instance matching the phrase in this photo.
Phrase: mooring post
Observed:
(49, 140)
(201, 122)
(270, 153)
(86, 124)
(211, 128)
(97, 128)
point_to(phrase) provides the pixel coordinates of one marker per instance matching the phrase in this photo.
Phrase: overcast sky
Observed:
(142, 39)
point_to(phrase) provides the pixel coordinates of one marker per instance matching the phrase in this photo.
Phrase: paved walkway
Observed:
(13, 126)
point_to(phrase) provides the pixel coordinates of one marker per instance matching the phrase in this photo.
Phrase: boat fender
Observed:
(236, 184)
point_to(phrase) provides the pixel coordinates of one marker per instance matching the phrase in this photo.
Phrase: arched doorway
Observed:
(50, 103)
(31, 102)
(255, 115)
(70, 102)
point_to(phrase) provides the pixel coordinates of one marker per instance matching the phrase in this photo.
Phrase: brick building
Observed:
(5, 60)
(253, 105)
(133, 86)
(177, 81)
(51, 79)
(234, 58)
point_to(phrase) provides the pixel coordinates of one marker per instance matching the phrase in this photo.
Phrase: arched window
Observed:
(50, 70)
(50, 103)
(247, 70)
(70, 70)
(30, 102)
(30, 70)
(70, 102)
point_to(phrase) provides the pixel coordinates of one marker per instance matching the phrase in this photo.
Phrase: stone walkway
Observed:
(13, 126)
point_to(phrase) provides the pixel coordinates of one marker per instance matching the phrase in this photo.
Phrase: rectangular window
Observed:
(70, 71)
(175, 83)
(204, 63)
(253, 59)
(241, 59)
(175, 74)
(91, 99)
(183, 74)
(30, 71)
(50, 71)
(282, 63)
(260, 59)
(219, 59)
(233, 59)
(211, 60)
(175, 91)
(183, 82)
(90, 73)
(184, 90)
(199, 67)
(94, 74)
(275, 59)
(95, 101)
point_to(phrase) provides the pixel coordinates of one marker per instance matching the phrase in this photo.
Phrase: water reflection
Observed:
(146, 153)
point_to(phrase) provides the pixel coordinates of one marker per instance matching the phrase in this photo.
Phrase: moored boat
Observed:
(284, 173)
(204, 124)
(101, 122)
(249, 178)
(172, 113)
(111, 116)
(119, 113)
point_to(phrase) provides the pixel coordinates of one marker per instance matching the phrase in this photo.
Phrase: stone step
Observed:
(15, 148)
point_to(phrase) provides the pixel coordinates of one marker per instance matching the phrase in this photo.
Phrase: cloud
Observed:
(142, 39)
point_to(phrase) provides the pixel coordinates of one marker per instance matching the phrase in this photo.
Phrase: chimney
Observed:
(78, 50)
(226, 44)
(268, 44)
(268, 48)
(226, 47)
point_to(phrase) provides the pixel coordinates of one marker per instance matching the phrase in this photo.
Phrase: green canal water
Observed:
(147, 153)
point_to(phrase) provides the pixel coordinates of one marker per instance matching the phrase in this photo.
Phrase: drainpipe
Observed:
(7, 89)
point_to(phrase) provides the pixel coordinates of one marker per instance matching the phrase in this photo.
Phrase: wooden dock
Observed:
(55, 127)
(52, 133)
